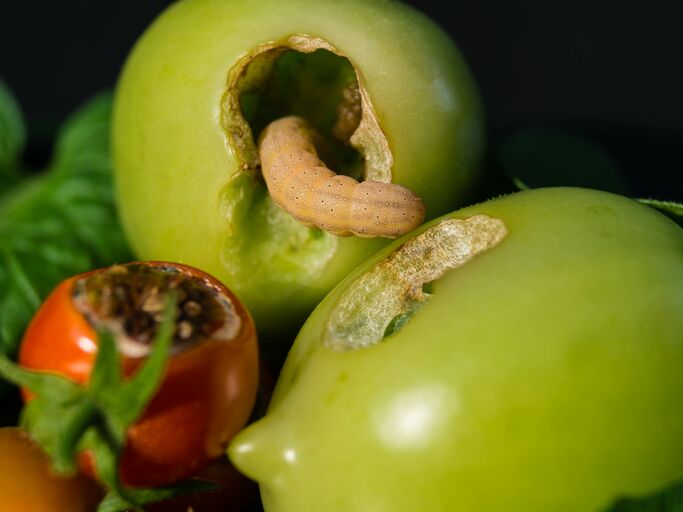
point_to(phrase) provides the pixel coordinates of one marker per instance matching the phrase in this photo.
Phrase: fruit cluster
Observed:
(281, 173)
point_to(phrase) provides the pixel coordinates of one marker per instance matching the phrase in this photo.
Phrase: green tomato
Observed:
(207, 76)
(541, 372)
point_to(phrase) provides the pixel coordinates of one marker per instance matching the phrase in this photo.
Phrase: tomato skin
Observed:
(206, 396)
(542, 376)
(58, 321)
(31, 487)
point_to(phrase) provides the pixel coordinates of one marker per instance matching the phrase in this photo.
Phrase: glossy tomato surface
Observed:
(28, 484)
(542, 375)
(206, 395)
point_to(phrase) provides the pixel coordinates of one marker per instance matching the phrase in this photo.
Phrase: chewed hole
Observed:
(380, 302)
(129, 300)
(283, 81)
(397, 323)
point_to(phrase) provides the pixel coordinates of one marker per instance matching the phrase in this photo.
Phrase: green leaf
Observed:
(60, 222)
(669, 499)
(549, 158)
(12, 136)
(15, 313)
(21, 280)
(83, 141)
(669, 208)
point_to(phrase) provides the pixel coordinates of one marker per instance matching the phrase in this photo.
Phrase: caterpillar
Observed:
(301, 184)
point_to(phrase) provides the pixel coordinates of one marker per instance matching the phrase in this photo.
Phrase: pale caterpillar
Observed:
(300, 183)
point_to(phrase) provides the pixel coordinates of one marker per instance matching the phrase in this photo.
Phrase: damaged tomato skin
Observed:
(174, 168)
(206, 395)
(544, 374)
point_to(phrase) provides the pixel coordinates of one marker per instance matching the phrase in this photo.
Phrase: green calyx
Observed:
(66, 418)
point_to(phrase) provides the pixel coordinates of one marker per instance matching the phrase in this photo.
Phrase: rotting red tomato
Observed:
(30, 486)
(210, 383)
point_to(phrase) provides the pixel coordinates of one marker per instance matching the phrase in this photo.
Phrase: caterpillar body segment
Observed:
(300, 183)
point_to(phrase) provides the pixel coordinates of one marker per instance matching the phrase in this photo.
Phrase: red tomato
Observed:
(207, 393)
(28, 485)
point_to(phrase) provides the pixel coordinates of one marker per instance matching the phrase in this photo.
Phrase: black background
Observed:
(608, 70)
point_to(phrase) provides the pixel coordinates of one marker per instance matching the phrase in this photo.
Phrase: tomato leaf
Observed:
(669, 499)
(12, 137)
(59, 222)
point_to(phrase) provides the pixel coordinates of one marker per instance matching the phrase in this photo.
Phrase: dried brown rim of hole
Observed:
(367, 136)
(128, 300)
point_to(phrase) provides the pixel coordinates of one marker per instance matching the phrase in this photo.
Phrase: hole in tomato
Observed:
(383, 299)
(129, 300)
(307, 77)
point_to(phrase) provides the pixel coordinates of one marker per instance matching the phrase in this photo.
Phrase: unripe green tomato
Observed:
(188, 182)
(543, 374)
